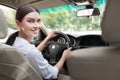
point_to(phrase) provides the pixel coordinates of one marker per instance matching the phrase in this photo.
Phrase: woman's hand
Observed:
(51, 35)
(60, 63)
(43, 43)
(66, 52)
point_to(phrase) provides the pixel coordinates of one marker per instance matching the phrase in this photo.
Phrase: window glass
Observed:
(10, 16)
(64, 18)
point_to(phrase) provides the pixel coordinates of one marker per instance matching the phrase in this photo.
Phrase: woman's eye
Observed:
(39, 21)
(30, 21)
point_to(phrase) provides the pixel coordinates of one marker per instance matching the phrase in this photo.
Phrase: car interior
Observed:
(98, 62)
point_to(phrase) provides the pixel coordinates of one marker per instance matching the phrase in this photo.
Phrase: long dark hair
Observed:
(20, 14)
(11, 38)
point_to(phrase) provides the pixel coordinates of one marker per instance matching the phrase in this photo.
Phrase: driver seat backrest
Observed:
(13, 65)
(100, 63)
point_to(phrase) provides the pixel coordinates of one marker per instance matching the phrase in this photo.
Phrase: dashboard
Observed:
(84, 41)
(79, 42)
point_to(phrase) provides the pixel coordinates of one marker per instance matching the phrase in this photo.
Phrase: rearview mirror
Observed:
(88, 12)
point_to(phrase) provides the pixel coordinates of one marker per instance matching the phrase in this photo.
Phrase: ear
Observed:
(18, 23)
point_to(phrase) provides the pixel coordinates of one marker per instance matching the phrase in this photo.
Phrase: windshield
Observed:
(64, 18)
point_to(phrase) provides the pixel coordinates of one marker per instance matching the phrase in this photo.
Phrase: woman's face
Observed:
(30, 25)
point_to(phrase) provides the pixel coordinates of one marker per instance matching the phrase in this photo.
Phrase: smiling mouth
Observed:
(35, 32)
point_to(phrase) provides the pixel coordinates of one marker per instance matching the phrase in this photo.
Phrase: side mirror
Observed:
(88, 12)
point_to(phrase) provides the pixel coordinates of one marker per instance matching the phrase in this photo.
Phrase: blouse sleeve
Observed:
(37, 60)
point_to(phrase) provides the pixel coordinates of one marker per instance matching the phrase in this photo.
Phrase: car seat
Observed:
(100, 63)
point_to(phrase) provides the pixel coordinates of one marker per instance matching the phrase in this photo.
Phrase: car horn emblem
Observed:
(53, 46)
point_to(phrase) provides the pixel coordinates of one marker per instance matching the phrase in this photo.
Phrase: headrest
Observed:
(111, 22)
(3, 25)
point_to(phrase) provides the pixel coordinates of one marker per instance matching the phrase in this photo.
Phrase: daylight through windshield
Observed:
(64, 18)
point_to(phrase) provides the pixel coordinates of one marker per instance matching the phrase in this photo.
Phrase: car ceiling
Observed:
(40, 4)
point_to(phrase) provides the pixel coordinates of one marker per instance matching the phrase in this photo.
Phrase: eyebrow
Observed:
(34, 19)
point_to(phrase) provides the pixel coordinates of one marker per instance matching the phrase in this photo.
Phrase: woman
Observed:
(29, 22)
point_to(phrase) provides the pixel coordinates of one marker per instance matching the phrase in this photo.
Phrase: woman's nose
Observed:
(36, 24)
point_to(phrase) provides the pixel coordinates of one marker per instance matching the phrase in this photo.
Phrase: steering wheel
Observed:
(55, 49)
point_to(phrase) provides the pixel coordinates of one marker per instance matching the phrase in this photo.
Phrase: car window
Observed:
(10, 17)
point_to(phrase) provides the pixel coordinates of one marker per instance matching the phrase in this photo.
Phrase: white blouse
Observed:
(36, 59)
